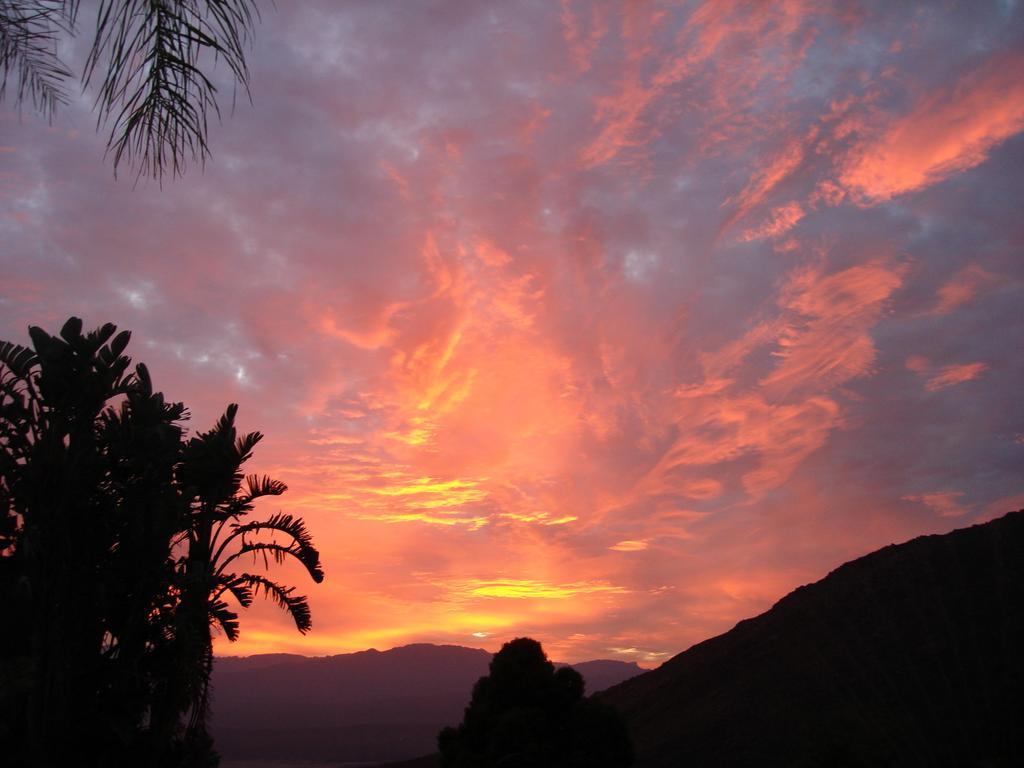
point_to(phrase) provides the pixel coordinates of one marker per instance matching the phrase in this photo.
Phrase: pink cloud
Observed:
(943, 503)
(961, 288)
(918, 364)
(950, 130)
(703, 48)
(827, 341)
(942, 377)
(764, 181)
(951, 375)
(823, 341)
(584, 31)
(779, 222)
(470, 267)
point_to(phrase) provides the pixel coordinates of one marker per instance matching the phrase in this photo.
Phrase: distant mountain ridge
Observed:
(910, 656)
(366, 706)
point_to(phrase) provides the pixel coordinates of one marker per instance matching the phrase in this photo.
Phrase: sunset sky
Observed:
(603, 323)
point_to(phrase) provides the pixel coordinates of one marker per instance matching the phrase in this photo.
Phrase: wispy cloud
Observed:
(951, 375)
(607, 323)
(950, 130)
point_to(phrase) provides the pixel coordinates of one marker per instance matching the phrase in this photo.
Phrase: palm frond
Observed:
(257, 486)
(238, 590)
(284, 597)
(96, 338)
(225, 618)
(301, 546)
(17, 358)
(245, 445)
(268, 550)
(226, 423)
(153, 88)
(28, 48)
(212, 465)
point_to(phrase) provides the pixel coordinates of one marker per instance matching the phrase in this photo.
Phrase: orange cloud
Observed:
(516, 380)
(380, 334)
(827, 341)
(629, 545)
(705, 488)
(944, 503)
(583, 36)
(779, 436)
(761, 184)
(491, 254)
(619, 114)
(951, 375)
(951, 130)
(823, 341)
(961, 288)
(530, 589)
(946, 376)
(625, 117)
(779, 221)
(917, 364)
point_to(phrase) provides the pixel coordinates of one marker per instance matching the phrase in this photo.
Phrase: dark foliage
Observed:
(108, 573)
(525, 714)
(285, 707)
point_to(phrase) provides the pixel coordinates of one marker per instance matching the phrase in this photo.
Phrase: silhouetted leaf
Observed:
(152, 88)
(145, 383)
(301, 546)
(296, 605)
(117, 346)
(18, 358)
(72, 330)
(257, 486)
(225, 618)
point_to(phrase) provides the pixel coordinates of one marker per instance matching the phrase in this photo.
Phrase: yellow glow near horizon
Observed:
(523, 589)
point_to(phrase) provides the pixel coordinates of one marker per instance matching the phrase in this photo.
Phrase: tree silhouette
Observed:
(217, 538)
(152, 63)
(525, 714)
(87, 453)
(116, 537)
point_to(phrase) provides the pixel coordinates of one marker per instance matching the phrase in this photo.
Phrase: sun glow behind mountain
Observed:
(603, 323)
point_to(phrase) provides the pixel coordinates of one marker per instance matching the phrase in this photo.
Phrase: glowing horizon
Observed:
(607, 324)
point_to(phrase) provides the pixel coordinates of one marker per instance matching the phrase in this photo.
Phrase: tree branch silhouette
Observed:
(151, 61)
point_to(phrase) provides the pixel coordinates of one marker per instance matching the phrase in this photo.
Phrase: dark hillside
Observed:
(909, 656)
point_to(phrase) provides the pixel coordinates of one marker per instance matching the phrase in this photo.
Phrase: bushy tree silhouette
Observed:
(115, 537)
(527, 714)
(86, 484)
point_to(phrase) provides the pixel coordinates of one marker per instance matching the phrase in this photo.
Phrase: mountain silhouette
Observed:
(367, 706)
(909, 656)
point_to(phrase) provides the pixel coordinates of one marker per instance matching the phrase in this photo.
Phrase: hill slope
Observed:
(365, 706)
(909, 656)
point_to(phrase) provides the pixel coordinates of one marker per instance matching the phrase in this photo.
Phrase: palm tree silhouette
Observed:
(121, 545)
(218, 539)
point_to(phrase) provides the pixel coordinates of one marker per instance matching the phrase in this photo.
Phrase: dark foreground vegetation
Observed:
(527, 714)
(910, 656)
(121, 543)
(363, 707)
